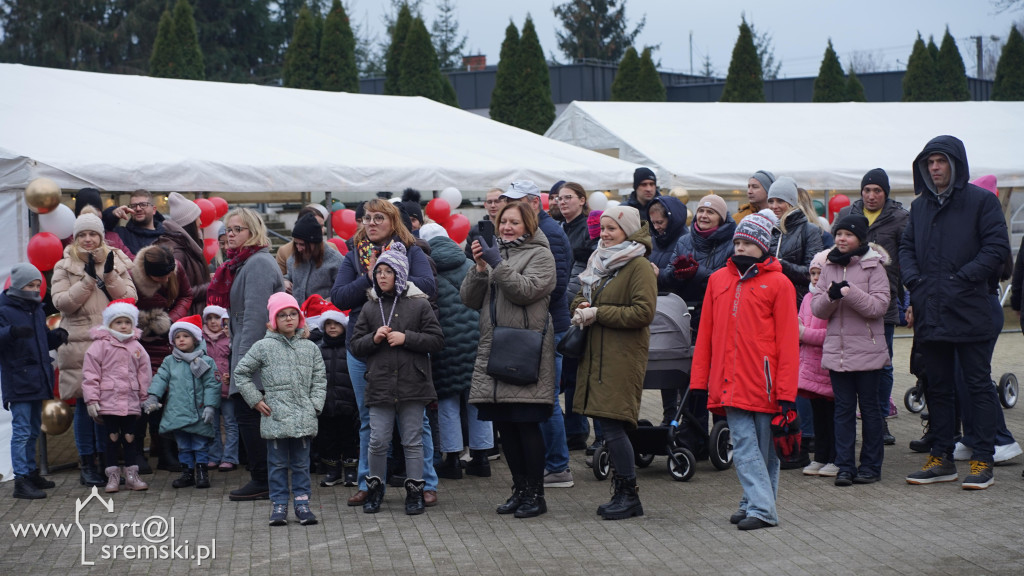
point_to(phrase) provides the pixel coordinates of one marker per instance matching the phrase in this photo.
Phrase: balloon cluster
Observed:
(440, 211)
(211, 210)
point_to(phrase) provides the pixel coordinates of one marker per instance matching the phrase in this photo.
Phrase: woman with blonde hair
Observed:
(90, 275)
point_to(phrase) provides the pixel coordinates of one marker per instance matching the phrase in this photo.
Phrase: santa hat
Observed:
(317, 310)
(216, 311)
(122, 308)
(191, 324)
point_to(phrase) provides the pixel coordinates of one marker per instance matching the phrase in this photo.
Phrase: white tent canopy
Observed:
(717, 146)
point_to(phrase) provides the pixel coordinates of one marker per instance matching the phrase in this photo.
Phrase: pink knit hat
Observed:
(819, 260)
(280, 301)
(594, 223)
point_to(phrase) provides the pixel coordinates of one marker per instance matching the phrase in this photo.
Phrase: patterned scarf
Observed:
(606, 261)
(219, 291)
(513, 243)
(367, 250)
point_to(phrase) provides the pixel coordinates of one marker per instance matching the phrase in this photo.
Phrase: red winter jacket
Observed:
(748, 345)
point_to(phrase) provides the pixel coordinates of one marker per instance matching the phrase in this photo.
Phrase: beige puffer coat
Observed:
(524, 278)
(81, 306)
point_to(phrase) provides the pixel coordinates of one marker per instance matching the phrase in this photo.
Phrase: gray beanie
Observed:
(765, 177)
(22, 274)
(784, 188)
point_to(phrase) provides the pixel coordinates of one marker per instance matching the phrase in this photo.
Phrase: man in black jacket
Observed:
(953, 249)
(645, 188)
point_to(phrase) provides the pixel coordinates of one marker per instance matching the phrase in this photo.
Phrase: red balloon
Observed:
(342, 247)
(42, 289)
(44, 251)
(458, 228)
(210, 248)
(344, 223)
(439, 211)
(220, 205)
(837, 203)
(207, 212)
(544, 201)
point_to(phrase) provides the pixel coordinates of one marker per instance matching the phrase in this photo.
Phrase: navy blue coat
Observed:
(562, 251)
(582, 247)
(711, 254)
(952, 253)
(341, 399)
(453, 366)
(663, 244)
(26, 370)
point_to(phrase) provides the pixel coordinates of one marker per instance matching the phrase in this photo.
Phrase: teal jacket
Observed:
(186, 395)
(294, 384)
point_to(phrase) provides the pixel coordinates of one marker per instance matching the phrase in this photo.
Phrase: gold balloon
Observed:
(57, 417)
(42, 195)
(681, 193)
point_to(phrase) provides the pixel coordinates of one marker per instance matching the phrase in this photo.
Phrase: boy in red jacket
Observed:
(747, 360)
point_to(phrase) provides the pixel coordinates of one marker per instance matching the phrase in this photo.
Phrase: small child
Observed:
(193, 394)
(294, 385)
(396, 332)
(26, 373)
(815, 383)
(747, 359)
(223, 455)
(116, 376)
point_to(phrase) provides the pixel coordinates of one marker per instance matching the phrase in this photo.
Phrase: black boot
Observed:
(479, 465)
(374, 494)
(414, 497)
(186, 478)
(334, 475)
(143, 463)
(513, 502)
(38, 481)
(923, 444)
(88, 475)
(253, 490)
(616, 496)
(533, 503)
(450, 467)
(887, 438)
(202, 475)
(350, 471)
(626, 504)
(23, 488)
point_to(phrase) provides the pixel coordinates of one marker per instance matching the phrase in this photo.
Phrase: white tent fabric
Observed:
(717, 146)
(116, 132)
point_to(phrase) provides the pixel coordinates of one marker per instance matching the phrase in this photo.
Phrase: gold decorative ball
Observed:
(681, 193)
(42, 195)
(57, 417)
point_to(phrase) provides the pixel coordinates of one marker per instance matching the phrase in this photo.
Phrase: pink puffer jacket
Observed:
(813, 378)
(116, 374)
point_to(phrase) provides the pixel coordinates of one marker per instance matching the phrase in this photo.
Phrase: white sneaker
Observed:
(812, 468)
(829, 469)
(962, 452)
(1007, 451)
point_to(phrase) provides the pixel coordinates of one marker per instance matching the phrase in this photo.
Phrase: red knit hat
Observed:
(317, 310)
(191, 324)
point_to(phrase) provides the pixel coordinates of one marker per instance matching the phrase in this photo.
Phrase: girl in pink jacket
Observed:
(116, 376)
(815, 383)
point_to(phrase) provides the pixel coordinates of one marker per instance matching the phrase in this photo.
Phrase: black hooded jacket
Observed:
(663, 243)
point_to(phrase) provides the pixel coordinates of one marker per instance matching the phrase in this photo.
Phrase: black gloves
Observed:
(108, 266)
(834, 292)
(90, 266)
(62, 334)
(22, 331)
(684, 267)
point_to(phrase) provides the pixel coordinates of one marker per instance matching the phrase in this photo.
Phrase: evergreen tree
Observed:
(300, 61)
(744, 82)
(239, 41)
(596, 29)
(337, 66)
(192, 67)
(933, 50)
(448, 95)
(535, 111)
(919, 81)
(1009, 83)
(952, 76)
(624, 87)
(854, 89)
(830, 85)
(166, 59)
(447, 43)
(393, 56)
(419, 71)
(505, 96)
(649, 86)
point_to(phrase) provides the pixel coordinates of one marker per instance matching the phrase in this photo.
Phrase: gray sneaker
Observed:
(561, 479)
(980, 477)
(935, 470)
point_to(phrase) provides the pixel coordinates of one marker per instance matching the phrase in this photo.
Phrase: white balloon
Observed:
(452, 196)
(612, 204)
(60, 222)
(211, 230)
(597, 201)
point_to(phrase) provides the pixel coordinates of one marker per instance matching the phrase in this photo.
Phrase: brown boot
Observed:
(132, 480)
(113, 479)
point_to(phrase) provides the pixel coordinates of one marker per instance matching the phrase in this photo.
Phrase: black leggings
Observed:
(620, 449)
(824, 411)
(118, 428)
(523, 446)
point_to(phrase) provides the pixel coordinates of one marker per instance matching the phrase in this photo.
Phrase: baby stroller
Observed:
(668, 367)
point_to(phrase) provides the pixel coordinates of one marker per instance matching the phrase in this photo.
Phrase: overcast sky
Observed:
(800, 29)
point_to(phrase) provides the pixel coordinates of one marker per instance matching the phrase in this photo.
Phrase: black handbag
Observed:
(515, 352)
(574, 342)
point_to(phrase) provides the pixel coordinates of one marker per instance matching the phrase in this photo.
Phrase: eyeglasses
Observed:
(384, 272)
(234, 229)
(566, 198)
(375, 219)
(287, 315)
(138, 205)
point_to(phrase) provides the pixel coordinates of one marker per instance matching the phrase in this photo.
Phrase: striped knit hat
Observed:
(396, 258)
(755, 228)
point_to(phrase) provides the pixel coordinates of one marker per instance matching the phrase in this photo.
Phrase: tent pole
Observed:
(330, 213)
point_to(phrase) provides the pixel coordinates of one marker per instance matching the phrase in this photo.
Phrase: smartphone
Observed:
(486, 228)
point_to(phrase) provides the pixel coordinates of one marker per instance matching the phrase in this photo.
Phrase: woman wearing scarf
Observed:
(243, 285)
(382, 229)
(520, 271)
(617, 301)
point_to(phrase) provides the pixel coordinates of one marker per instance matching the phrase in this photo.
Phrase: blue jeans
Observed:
(230, 445)
(286, 455)
(357, 372)
(192, 448)
(853, 389)
(885, 382)
(757, 465)
(88, 434)
(556, 448)
(481, 434)
(28, 420)
(803, 408)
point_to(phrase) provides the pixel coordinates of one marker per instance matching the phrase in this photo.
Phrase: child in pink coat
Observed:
(815, 383)
(223, 454)
(116, 377)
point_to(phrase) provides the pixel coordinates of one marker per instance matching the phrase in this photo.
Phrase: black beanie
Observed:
(855, 223)
(414, 210)
(643, 173)
(878, 177)
(88, 197)
(308, 229)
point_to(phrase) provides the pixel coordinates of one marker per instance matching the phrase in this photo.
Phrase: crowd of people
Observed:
(357, 363)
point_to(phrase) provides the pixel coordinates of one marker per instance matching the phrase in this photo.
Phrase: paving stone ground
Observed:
(885, 528)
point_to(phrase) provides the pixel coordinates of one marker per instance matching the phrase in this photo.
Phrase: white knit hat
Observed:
(183, 210)
(88, 221)
(215, 310)
(122, 308)
(432, 230)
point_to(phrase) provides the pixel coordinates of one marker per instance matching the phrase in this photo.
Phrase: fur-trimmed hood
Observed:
(154, 322)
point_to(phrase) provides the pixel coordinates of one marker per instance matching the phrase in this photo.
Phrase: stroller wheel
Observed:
(602, 463)
(914, 399)
(643, 460)
(721, 446)
(682, 464)
(1008, 390)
